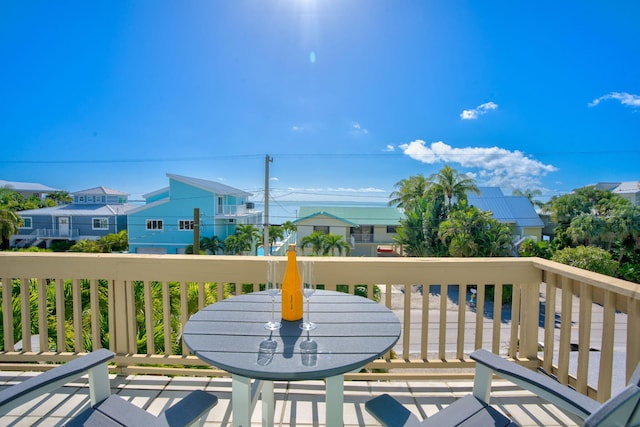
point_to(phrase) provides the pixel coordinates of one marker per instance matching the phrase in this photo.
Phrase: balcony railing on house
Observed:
(41, 234)
(236, 210)
(538, 312)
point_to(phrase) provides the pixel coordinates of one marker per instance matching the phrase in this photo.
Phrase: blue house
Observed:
(165, 223)
(94, 213)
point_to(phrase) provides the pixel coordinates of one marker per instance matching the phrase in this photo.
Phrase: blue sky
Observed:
(347, 96)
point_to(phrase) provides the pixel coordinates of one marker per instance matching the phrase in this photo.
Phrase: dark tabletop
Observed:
(351, 332)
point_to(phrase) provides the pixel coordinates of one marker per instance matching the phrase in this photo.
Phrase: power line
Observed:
(112, 161)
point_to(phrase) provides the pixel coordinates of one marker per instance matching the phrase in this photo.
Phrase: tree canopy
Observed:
(438, 221)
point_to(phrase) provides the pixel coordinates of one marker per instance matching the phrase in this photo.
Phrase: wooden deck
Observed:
(298, 403)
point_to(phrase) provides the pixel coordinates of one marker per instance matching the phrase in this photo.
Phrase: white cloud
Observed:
(274, 178)
(389, 148)
(478, 111)
(625, 98)
(357, 129)
(496, 166)
(297, 128)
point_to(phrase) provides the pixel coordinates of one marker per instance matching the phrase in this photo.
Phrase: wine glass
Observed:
(273, 289)
(308, 288)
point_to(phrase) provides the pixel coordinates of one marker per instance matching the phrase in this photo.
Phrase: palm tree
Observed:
(275, 232)
(449, 183)
(10, 222)
(212, 244)
(247, 234)
(463, 245)
(408, 190)
(586, 228)
(624, 225)
(472, 232)
(315, 240)
(417, 233)
(11, 200)
(498, 240)
(333, 242)
(288, 227)
(457, 233)
(114, 242)
(233, 245)
(60, 197)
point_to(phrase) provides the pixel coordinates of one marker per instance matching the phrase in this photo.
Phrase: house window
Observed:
(185, 224)
(392, 229)
(27, 222)
(80, 199)
(362, 234)
(100, 223)
(324, 229)
(155, 224)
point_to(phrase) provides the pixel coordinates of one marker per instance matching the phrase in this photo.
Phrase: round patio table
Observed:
(351, 331)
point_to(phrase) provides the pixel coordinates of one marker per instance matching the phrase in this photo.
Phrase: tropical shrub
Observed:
(588, 258)
(530, 248)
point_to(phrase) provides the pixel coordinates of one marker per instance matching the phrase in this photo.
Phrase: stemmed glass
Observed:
(308, 288)
(273, 289)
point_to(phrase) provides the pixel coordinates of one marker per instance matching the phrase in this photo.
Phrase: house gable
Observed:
(165, 223)
(324, 218)
(100, 195)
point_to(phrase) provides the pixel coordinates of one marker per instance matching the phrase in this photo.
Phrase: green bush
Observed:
(629, 271)
(530, 248)
(588, 258)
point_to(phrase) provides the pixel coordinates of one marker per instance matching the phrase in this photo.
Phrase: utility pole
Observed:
(196, 231)
(265, 231)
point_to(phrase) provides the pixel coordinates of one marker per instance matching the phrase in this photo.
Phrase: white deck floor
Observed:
(298, 403)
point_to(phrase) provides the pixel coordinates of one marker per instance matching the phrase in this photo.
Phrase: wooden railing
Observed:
(73, 303)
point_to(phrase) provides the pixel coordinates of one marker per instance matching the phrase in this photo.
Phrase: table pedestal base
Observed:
(244, 396)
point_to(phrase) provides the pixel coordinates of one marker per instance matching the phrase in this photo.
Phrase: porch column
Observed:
(122, 321)
(529, 316)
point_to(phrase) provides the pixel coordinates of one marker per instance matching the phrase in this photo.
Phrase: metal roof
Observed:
(358, 215)
(508, 209)
(627, 187)
(211, 186)
(101, 191)
(26, 186)
(80, 210)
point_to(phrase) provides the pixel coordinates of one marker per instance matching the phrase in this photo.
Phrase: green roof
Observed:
(355, 214)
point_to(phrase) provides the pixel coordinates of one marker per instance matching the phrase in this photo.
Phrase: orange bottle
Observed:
(291, 288)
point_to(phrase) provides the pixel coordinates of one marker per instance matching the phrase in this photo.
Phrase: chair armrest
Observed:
(188, 410)
(390, 413)
(545, 387)
(52, 379)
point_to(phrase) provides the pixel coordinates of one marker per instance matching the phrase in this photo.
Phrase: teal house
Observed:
(165, 223)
